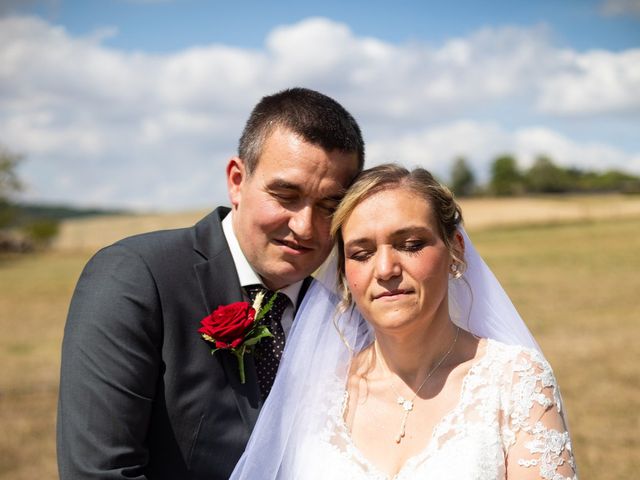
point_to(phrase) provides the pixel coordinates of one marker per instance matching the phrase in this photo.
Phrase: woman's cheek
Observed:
(351, 276)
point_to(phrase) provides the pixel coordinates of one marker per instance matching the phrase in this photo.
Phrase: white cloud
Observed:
(96, 122)
(434, 148)
(535, 141)
(414, 81)
(594, 82)
(480, 143)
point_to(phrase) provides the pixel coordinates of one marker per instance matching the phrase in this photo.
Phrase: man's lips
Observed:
(295, 246)
(391, 294)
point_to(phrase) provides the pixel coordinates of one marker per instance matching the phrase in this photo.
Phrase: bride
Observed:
(411, 363)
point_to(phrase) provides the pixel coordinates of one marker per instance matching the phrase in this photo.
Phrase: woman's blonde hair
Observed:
(389, 176)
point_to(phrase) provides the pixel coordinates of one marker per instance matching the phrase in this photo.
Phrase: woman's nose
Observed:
(387, 265)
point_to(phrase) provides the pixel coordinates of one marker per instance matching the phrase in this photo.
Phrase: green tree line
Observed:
(18, 231)
(544, 176)
(28, 227)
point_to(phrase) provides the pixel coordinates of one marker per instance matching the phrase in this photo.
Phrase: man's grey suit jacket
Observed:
(141, 396)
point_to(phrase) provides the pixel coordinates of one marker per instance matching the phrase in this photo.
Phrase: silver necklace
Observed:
(407, 405)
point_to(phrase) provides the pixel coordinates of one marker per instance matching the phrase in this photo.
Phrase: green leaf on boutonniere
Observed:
(260, 332)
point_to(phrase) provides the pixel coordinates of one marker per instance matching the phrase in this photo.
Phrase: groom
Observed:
(141, 396)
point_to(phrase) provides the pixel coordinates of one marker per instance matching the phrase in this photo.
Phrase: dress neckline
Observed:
(427, 450)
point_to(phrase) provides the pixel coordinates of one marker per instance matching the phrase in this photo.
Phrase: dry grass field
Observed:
(92, 233)
(570, 265)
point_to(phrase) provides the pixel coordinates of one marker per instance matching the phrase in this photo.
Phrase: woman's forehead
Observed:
(390, 209)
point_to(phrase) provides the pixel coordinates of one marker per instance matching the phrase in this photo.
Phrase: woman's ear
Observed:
(459, 243)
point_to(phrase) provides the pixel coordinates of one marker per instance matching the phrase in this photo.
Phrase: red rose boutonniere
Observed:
(235, 327)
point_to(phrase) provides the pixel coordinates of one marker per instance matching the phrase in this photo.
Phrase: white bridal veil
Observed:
(320, 347)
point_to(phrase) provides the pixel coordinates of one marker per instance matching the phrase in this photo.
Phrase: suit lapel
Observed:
(219, 285)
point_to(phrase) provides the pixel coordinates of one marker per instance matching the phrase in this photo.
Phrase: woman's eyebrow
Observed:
(403, 232)
(411, 229)
(356, 242)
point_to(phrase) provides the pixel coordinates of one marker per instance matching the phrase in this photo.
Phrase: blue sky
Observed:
(161, 26)
(105, 96)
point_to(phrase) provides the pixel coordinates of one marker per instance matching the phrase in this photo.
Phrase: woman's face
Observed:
(396, 264)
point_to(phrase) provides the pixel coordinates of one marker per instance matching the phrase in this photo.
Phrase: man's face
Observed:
(282, 211)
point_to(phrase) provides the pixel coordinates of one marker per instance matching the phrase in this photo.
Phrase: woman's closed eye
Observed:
(360, 255)
(412, 246)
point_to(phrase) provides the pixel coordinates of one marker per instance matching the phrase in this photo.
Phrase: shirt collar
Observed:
(246, 274)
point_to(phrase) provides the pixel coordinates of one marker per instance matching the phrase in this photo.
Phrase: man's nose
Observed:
(301, 223)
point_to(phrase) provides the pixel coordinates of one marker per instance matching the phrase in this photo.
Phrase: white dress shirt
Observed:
(248, 276)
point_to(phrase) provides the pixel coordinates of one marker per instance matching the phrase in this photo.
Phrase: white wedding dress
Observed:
(508, 423)
(509, 411)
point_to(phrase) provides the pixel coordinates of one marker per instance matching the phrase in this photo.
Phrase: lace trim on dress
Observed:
(499, 394)
(550, 445)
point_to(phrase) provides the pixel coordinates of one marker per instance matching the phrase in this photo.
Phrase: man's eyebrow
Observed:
(282, 184)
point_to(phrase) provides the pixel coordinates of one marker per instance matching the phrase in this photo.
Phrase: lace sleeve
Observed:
(540, 446)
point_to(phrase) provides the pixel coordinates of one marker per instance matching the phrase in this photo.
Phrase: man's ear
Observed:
(236, 175)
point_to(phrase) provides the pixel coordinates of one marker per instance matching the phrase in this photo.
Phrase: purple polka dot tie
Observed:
(269, 350)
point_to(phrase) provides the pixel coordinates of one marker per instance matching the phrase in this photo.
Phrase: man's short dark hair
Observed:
(318, 119)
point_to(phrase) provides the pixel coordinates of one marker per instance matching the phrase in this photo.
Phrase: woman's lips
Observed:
(391, 294)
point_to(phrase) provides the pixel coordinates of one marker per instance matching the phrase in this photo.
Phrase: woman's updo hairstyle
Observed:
(387, 177)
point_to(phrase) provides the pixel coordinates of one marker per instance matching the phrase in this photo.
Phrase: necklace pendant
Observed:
(403, 426)
(407, 405)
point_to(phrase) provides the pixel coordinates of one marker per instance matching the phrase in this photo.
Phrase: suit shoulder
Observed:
(160, 239)
(144, 244)
(160, 247)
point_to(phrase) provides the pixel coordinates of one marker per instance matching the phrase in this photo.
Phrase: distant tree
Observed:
(617, 181)
(506, 179)
(463, 181)
(9, 184)
(18, 232)
(576, 177)
(608, 181)
(545, 177)
(42, 231)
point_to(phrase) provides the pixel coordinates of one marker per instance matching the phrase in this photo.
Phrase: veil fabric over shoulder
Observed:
(479, 304)
(322, 343)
